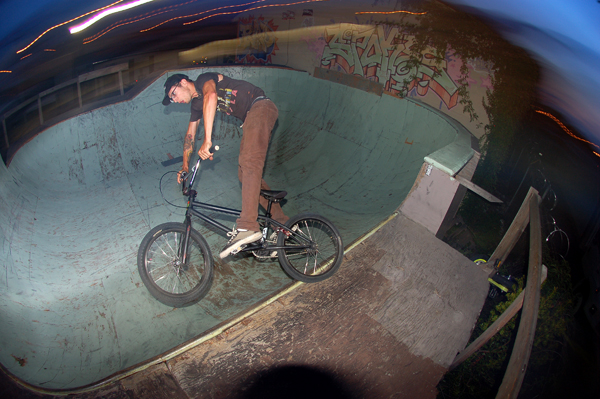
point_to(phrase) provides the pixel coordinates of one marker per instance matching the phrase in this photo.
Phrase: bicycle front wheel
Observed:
(162, 268)
(313, 251)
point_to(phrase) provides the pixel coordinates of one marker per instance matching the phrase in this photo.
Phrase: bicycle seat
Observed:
(273, 195)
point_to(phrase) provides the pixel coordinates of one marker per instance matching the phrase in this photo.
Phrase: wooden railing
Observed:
(528, 300)
(10, 137)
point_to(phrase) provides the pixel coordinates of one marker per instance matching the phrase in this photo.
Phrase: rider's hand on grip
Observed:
(181, 175)
(207, 150)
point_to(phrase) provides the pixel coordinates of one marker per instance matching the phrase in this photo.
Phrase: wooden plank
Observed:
(39, 101)
(477, 190)
(58, 87)
(79, 94)
(5, 133)
(468, 170)
(422, 317)
(20, 106)
(500, 322)
(515, 230)
(103, 72)
(121, 82)
(156, 382)
(517, 365)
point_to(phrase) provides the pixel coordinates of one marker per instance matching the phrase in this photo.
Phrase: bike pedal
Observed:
(237, 250)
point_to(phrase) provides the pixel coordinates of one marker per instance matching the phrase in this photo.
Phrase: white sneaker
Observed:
(239, 238)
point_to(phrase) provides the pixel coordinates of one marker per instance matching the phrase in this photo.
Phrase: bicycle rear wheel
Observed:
(313, 252)
(163, 272)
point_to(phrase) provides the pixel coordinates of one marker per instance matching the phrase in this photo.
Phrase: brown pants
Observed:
(253, 152)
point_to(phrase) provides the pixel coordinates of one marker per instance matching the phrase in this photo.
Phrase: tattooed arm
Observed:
(188, 148)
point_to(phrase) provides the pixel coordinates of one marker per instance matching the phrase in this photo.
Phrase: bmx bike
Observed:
(177, 267)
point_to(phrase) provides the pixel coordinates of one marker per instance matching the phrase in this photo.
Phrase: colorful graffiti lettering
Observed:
(257, 41)
(379, 53)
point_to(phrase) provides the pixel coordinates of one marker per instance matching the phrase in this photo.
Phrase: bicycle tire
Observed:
(167, 280)
(320, 261)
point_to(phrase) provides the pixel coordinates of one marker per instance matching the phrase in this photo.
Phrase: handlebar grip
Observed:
(184, 175)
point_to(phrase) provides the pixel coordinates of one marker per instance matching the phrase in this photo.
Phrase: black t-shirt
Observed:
(234, 97)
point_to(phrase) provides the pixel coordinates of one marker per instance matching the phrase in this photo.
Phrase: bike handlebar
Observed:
(184, 175)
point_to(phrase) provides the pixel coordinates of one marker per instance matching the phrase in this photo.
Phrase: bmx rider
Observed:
(212, 92)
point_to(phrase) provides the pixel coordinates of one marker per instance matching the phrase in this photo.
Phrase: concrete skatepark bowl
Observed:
(79, 197)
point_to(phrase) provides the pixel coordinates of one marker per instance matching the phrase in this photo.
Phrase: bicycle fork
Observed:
(186, 240)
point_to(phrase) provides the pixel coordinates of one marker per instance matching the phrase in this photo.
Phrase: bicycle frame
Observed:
(192, 211)
(176, 264)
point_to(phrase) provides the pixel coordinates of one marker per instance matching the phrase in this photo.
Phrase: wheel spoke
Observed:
(323, 254)
(159, 264)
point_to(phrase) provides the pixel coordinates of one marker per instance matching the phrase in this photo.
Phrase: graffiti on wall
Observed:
(380, 53)
(257, 40)
(308, 18)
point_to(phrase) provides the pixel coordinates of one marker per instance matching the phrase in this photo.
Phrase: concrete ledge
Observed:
(454, 156)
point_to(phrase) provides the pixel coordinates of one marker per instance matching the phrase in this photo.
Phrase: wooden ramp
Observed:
(387, 325)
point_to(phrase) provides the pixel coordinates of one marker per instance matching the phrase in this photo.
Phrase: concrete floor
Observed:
(77, 200)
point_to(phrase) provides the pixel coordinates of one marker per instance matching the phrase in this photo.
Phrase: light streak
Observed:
(555, 119)
(170, 8)
(64, 23)
(137, 18)
(121, 23)
(5, 71)
(596, 154)
(253, 8)
(200, 13)
(107, 12)
(25, 56)
(49, 49)
(390, 12)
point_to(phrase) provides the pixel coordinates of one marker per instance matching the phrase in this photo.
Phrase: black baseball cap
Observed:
(172, 81)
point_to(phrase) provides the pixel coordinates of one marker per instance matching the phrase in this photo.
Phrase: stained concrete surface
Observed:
(386, 326)
(77, 200)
